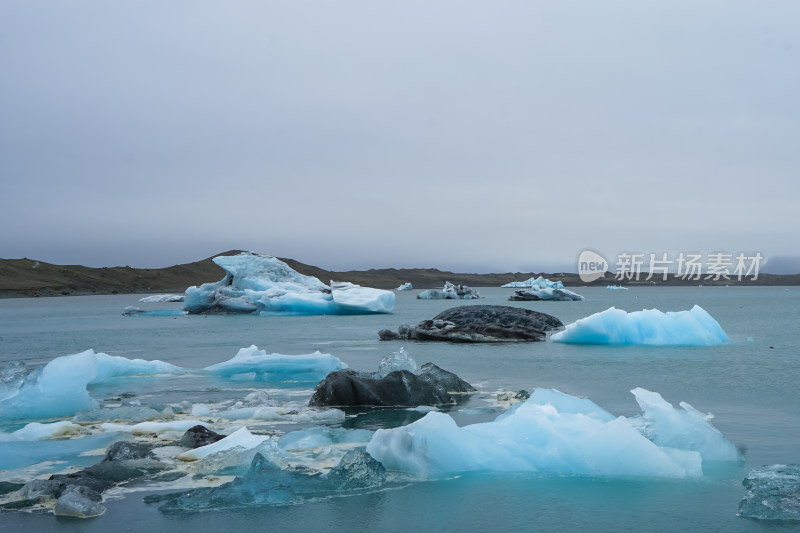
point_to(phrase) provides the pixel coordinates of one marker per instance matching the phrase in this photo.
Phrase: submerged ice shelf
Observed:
(650, 326)
(265, 285)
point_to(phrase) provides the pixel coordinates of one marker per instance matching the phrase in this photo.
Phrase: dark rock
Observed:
(522, 395)
(7, 486)
(198, 436)
(447, 381)
(357, 470)
(398, 388)
(123, 450)
(480, 323)
(79, 501)
(37, 488)
(388, 335)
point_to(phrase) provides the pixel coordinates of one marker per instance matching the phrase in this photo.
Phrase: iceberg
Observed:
(108, 367)
(241, 438)
(650, 326)
(550, 432)
(37, 431)
(160, 298)
(547, 293)
(685, 429)
(616, 288)
(277, 367)
(450, 292)
(404, 287)
(399, 360)
(55, 390)
(540, 283)
(237, 460)
(773, 493)
(265, 285)
(355, 299)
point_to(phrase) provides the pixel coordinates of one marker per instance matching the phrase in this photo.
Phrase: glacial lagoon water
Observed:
(750, 384)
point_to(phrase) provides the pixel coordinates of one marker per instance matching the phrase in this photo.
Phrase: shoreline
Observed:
(28, 278)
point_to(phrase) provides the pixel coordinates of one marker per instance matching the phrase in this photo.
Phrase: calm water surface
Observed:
(749, 384)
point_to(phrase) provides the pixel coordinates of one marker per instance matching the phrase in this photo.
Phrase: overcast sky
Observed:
(477, 136)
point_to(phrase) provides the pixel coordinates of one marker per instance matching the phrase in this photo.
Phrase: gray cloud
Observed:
(465, 135)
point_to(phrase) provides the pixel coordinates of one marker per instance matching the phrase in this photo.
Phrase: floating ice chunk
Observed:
(322, 436)
(685, 429)
(36, 431)
(450, 292)
(773, 493)
(200, 409)
(127, 413)
(12, 375)
(265, 285)
(136, 311)
(539, 282)
(237, 460)
(547, 293)
(616, 288)
(58, 389)
(277, 367)
(550, 432)
(111, 366)
(650, 326)
(158, 298)
(350, 298)
(399, 360)
(240, 438)
(283, 414)
(405, 287)
(158, 428)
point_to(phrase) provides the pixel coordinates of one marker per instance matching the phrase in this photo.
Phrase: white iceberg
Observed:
(687, 428)
(450, 292)
(550, 432)
(158, 428)
(265, 285)
(160, 298)
(278, 367)
(405, 287)
(37, 431)
(616, 288)
(241, 438)
(539, 282)
(650, 326)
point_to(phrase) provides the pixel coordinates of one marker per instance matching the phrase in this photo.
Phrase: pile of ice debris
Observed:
(558, 433)
(773, 493)
(265, 285)
(405, 287)
(59, 388)
(161, 298)
(694, 327)
(450, 292)
(538, 283)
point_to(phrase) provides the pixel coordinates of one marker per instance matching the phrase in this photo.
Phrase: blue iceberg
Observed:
(650, 326)
(265, 285)
(550, 432)
(278, 367)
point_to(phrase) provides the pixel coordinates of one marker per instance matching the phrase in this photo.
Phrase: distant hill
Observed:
(28, 277)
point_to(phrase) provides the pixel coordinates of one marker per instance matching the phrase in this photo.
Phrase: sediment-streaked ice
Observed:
(550, 432)
(159, 298)
(652, 327)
